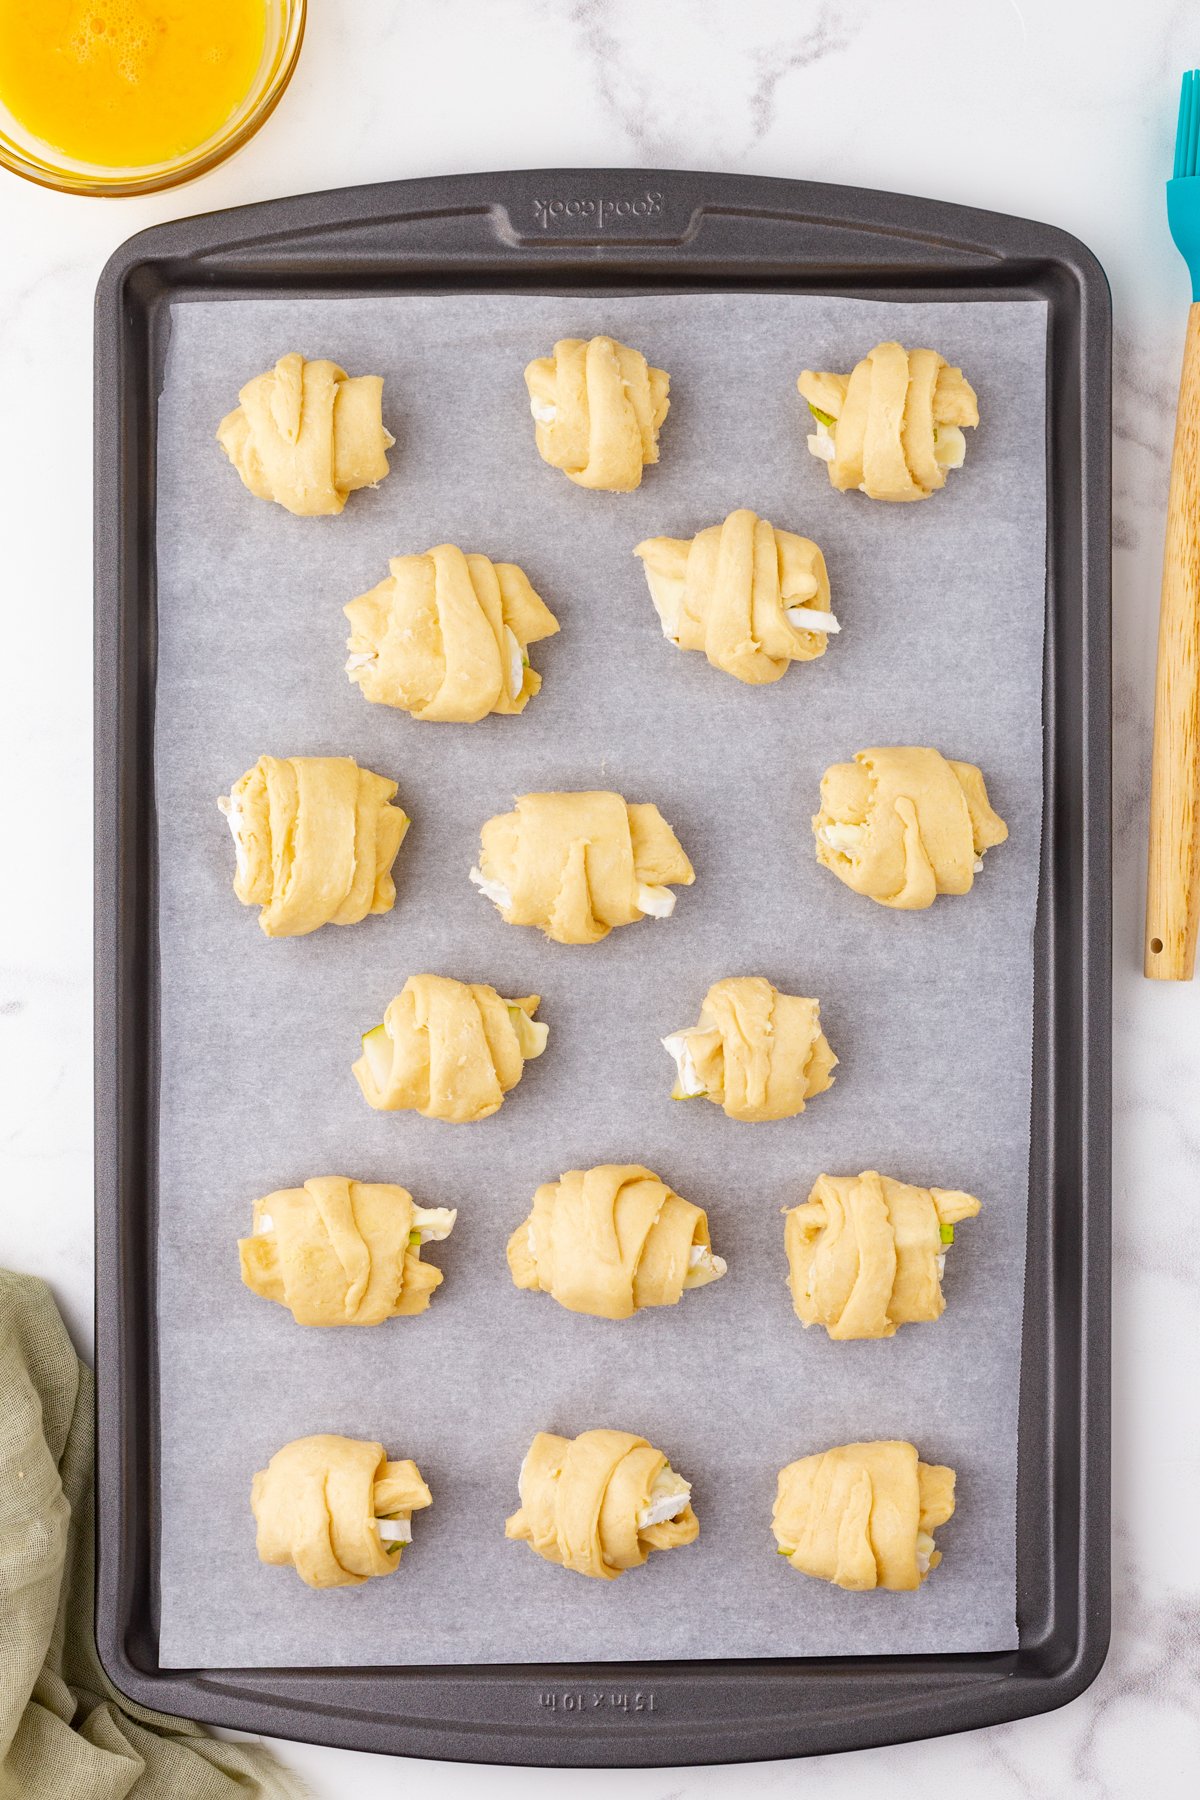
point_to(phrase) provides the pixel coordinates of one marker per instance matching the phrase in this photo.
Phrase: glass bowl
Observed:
(28, 156)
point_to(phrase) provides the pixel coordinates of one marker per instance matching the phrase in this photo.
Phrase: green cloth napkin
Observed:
(65, 1732)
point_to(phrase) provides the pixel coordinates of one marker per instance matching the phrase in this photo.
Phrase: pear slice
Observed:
(517, 663)
(531, 1033)
(377, 1048)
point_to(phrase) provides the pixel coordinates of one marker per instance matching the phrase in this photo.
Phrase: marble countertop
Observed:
(1062, 110)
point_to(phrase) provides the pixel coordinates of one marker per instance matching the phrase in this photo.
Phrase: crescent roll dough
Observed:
(599, 1503)
(866, 1253)
(751, 597)
(340, 1252)
(445, 636)
(576, 865)
(448, 1049)
(863, 1515)
(610, 1240)
(893, 426)
(598, 407)
(905, 824)
(307, 434)
(336, 1509)
(315, 840)
(756, 1052)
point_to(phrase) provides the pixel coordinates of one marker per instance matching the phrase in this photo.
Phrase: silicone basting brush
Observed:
(1173, 880)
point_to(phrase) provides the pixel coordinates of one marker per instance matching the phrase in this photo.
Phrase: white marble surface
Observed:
(1059, 109)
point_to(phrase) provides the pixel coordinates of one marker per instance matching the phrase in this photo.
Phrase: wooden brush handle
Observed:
(1173, 881)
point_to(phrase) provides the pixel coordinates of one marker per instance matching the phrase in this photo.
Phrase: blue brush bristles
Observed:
(1187, 131)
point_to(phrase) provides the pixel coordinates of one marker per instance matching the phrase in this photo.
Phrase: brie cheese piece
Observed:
(668, 1497)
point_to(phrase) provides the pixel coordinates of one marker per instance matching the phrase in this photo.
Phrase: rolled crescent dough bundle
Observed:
(905, 824)
(863, 1515)
(598, 407)
(315, 839)
(755, 1052)
(448, 1049)
(753, 598)
(445, 636)
(307, 435)
(866, 1253)
(599, 1503)
(336, 1509)
(894, 425)
(341, 1252)
(577, 865)
(610, 1240)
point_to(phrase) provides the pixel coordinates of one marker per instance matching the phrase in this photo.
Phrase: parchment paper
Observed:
(942, 609)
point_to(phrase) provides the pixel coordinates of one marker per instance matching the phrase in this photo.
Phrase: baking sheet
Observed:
(942, 607)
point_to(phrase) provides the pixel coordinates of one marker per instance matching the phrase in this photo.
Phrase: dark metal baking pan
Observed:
(585, 229)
